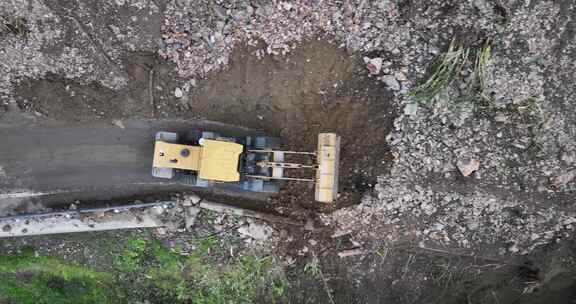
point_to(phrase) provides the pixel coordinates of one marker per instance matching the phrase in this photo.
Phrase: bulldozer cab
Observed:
(219, 160)
(213, 160)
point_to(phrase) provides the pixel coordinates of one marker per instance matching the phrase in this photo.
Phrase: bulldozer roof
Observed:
(214, 160)
(219, 160)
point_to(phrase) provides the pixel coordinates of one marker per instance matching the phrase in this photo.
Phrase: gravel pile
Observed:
(24, 57)
(73, 40)
(500, 181)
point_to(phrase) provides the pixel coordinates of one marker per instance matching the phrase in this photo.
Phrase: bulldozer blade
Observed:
(328, 155)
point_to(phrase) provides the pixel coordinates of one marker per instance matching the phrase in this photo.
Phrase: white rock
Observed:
(218, 227)
(309, 225)
(190, 217)
(374, 65)
(514, 248)
(178, 93)
(501, 118)
(438, 227)
(400, 76)
(411, 109)
(391, 82)
(119, 123)
(350, 252)
(468, 165)
(338, 233)
(192, 199)
(289, 260)
(256, 231)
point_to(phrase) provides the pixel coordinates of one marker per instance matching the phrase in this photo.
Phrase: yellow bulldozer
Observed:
(251, 163)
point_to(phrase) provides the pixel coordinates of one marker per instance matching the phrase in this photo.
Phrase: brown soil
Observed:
(317, 88)
(149, 94)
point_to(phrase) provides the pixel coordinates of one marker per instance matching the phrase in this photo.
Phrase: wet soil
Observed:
(317, 88)
(95, 163)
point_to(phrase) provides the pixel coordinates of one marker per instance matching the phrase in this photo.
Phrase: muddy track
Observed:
(93, 162)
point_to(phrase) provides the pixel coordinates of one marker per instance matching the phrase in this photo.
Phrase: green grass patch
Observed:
(166, 271)
(196, 278)
(529, 111)
(143, 269)
(13, 25)
(132, 255)
(312, 268)
(449, 66)
(27, 278)
(207, 244)
(243, 281)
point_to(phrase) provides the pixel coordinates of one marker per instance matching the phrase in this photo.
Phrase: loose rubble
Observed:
(467, 166)
(512, 161)
(83, 58)
(256, 230)
(199, 36)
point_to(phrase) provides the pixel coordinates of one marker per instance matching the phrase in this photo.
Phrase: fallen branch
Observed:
(151, 92)
(324, 282)
(427, 251)
(457, 254)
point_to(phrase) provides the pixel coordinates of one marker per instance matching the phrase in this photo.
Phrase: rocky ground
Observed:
(461, 196)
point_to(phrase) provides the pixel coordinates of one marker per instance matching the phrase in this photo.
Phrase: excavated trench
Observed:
(316, 88)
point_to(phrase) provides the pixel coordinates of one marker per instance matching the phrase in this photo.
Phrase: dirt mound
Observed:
(316, 88)
(149, 94)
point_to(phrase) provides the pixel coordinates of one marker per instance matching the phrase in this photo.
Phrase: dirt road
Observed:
(91, 162)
